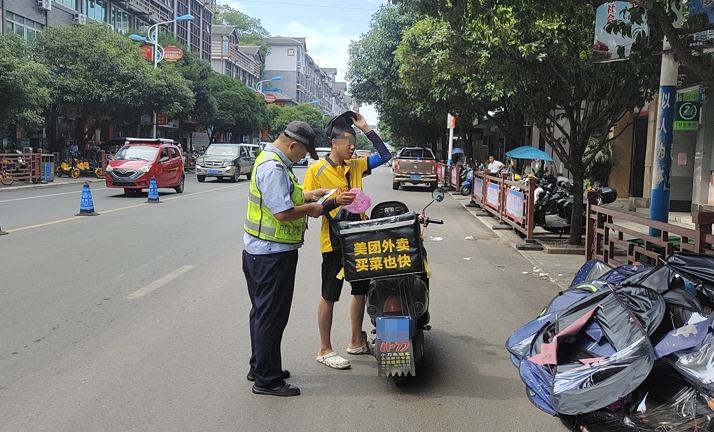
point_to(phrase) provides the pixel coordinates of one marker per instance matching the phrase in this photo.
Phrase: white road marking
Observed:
(159, 283)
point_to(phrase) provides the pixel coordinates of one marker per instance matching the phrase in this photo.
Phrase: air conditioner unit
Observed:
(80, 18)
(44, 5)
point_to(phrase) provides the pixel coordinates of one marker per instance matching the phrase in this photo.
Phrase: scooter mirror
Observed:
(438, 194)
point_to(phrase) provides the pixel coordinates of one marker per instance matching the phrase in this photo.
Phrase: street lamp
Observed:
(259, 84)
(158, 50)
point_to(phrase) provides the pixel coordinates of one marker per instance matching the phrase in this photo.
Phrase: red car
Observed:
(143, 158)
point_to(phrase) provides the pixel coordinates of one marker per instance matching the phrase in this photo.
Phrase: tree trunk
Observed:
(576, 218)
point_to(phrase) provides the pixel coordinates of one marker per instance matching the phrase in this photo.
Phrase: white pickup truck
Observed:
(415, 165)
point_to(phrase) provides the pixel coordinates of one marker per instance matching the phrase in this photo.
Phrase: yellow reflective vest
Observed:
(260, 222)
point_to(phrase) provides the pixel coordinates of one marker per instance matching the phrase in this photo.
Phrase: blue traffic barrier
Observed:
(153, 193)
(86, 205)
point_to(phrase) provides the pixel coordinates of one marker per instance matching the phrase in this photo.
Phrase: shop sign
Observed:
(686, 115)
(264, 133)
(172, 53)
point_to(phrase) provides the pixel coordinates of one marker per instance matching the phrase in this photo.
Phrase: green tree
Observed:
(103, 75)
(532, 58)
(239, 111)
(279, 118)
(373, 73)
(23, 85)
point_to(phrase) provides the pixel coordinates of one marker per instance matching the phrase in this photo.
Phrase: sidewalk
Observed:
(58, 181)
(559, 268)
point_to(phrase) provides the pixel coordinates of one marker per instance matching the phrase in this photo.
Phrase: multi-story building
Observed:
(26, 17)
(302, 79)
(227, 57)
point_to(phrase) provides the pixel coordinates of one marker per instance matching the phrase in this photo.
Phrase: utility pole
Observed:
(662, 163)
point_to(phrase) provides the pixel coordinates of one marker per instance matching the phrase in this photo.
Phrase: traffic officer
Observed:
(274, 230)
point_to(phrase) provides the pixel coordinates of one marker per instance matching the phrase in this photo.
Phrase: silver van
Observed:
(225, 160)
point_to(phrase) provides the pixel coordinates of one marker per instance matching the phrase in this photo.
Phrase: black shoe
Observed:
(251, 375)
(283, 390)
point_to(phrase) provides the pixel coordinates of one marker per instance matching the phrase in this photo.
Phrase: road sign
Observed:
(270, 98)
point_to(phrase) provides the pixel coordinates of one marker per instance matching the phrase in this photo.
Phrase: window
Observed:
(119, 19)
(95, 10)
(174, 153)
(141, 27)
(23, 27)
(72, 4)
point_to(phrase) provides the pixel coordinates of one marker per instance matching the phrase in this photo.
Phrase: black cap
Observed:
(347, 118)
(302, 133)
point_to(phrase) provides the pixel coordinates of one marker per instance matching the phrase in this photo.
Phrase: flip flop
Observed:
(334, 360)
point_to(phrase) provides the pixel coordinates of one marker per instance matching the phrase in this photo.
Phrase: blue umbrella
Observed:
(528, 152)
(457, 151)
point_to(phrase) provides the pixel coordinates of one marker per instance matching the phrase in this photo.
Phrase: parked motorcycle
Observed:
(388, 249)
(467, 177)
(559, 223)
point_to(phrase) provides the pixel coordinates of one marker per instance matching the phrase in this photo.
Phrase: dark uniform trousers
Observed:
(271, 282)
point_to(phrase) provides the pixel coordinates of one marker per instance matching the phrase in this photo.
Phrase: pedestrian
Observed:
(494, 166)
(274, 230)
(339, 170)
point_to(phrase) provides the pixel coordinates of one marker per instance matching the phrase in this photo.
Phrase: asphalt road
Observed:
(137, 320)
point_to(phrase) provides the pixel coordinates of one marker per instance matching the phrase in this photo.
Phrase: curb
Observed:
(79, 181)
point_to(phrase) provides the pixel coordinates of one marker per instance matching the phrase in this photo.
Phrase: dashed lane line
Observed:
(159, 283)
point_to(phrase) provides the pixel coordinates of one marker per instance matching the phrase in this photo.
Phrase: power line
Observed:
(305, 5)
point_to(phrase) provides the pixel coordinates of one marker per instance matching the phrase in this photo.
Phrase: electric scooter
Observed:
(388, 250)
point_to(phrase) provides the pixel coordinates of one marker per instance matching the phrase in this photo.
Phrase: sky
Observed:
(327, 25)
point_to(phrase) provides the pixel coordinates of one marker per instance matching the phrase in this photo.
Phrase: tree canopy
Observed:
(23, 85)
(103, 75)
(507, 60)
(239, 110)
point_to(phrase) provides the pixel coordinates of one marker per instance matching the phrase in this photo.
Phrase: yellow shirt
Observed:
(325, 174)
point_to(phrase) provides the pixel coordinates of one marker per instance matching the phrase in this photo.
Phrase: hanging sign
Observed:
(172, 53)
(686, 114)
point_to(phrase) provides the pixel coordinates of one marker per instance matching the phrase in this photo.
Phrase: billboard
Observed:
(609, 47)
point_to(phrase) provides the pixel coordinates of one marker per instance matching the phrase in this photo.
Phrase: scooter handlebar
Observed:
(434, 221)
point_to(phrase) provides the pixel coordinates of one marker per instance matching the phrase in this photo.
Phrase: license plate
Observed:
(212, 171)
(415, 176)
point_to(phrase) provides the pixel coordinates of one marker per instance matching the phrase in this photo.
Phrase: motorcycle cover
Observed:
(594, 352)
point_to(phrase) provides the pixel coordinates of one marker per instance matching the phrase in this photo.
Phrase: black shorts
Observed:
(331, 286)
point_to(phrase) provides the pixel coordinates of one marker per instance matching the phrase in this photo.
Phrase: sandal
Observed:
(334, 360)
(357, 351)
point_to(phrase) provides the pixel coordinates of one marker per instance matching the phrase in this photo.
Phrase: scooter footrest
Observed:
(427, 327)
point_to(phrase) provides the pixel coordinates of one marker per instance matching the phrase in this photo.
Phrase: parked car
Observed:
(140, 159)
(362, 153)
(225, 160)
(415, 165)
(321, 153)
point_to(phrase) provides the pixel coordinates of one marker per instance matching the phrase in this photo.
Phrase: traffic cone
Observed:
(153, 194)
(86, 205)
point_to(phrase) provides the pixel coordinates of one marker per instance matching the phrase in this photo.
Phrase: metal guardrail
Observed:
(511, 202)
(617, 237)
